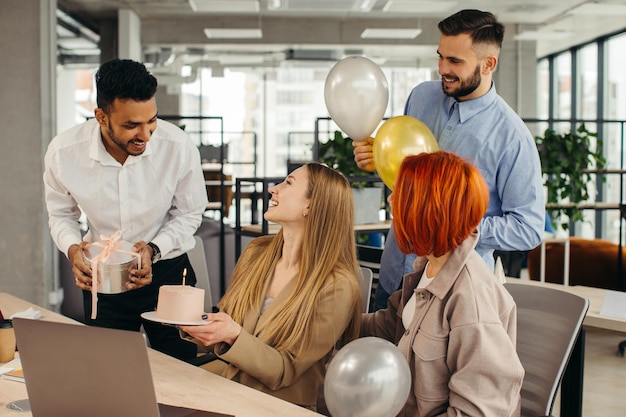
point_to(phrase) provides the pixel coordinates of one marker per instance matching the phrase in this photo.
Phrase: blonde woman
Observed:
(292, 296)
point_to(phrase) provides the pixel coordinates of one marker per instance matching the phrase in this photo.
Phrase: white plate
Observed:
(151, 315)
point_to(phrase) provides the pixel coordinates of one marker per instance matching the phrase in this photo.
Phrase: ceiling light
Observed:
(378, 60)
(328, 6)
(599, 9)
(63, 32)
(240, 59)
(75, 44)
(390, 33)
(224, 6)
(274, 4)
(222, 33)
(412, 6)
(536, 35)
(366, 5)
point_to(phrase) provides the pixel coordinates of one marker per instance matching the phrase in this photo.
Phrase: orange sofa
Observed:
(593, 263)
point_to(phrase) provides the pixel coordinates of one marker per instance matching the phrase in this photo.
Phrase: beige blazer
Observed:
(254, 362)
(460, 344)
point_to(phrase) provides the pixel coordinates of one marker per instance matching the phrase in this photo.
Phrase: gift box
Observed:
(111, 259)
(113, 264)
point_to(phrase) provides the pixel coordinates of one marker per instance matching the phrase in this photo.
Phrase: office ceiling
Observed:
(318, 32)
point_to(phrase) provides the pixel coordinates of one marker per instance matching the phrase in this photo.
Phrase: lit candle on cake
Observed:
(180, 303)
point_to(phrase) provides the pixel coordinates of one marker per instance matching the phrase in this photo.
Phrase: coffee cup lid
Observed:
(6, 324)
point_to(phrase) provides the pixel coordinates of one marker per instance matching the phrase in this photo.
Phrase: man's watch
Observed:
(156, 252)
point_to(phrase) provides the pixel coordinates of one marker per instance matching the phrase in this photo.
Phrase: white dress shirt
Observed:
(157, 196)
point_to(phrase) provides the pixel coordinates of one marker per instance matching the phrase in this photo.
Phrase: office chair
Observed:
(367, 276)
(197, 258)
(369, 257)
(548, 323)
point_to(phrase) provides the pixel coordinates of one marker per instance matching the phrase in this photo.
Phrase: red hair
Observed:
(437, 202)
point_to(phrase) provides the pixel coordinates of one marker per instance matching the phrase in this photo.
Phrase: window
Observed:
(587, 82)
(563, 89)
(579, 71)
(277, 103)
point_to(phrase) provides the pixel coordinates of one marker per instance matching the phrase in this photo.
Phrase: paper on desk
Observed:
(28, 314)
(614, 304)
(11, 366)
(12, 371)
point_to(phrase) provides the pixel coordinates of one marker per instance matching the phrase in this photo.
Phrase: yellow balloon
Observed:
(397, 138)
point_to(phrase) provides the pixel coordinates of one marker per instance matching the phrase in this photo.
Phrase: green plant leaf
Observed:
(564, 158)
(338, 153)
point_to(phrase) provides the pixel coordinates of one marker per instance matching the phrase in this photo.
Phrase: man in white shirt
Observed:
(127, 171)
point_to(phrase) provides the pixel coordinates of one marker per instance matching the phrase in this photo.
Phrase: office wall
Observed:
(516, 75)
(27, 86)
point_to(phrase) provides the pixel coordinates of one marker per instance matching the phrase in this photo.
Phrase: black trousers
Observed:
(512, 262)
(123, 311)
(380, 299)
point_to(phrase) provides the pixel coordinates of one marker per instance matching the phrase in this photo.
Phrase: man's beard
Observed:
(468, 86)
(123, 146)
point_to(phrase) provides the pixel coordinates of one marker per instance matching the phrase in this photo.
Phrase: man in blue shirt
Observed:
(469, 118)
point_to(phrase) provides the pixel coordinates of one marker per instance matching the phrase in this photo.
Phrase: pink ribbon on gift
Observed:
(109, 244)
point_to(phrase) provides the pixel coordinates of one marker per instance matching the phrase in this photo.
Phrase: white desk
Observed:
(176, 382)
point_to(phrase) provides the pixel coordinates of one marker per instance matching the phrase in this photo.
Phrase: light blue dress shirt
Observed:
(488, 133)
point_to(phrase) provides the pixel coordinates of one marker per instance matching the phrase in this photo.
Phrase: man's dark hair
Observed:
(123, 79)
(481, 26)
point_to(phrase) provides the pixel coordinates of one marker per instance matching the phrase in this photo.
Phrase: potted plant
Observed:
(565, 161)
(337, 153)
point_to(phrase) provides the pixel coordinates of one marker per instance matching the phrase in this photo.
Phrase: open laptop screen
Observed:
(77, 370)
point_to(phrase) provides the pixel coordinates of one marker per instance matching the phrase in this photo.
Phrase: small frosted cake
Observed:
(181, 303)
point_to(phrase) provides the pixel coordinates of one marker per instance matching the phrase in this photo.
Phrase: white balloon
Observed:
(368, 377)
(356, 95)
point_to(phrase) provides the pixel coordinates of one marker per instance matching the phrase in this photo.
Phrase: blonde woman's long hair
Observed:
(328, 253)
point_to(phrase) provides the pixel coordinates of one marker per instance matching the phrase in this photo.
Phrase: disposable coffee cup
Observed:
(7, 341)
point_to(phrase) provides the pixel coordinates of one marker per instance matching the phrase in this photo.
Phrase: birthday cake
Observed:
(181, 303)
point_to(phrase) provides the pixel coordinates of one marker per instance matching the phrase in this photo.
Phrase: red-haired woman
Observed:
(452, 319)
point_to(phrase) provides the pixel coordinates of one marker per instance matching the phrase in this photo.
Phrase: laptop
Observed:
(76, 370)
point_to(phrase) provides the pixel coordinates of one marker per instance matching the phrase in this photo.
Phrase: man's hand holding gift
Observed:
(80, 268)
(140, 277)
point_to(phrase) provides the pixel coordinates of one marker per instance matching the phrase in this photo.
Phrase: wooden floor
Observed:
(604, 387)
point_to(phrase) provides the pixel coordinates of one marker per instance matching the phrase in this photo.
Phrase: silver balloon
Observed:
(356, 95)
(368, 377)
